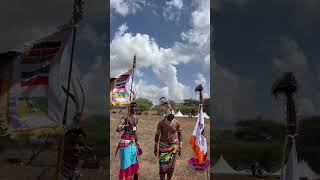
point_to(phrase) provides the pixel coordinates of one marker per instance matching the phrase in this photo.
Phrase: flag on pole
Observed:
(6, 61)
(121, 89)
(291, 170)
(198, 140)
(34, 96)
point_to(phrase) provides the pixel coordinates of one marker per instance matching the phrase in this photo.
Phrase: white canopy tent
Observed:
(179, 114)
(306, 171)
(222, 167)
(245, 172)
(205, 116)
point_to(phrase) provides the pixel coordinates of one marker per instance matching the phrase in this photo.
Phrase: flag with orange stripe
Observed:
(198, 140)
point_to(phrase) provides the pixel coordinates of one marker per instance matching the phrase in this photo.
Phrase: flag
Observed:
(291, 170)
(6, 61)
(120, 89)
(198, 140)
(35, 97)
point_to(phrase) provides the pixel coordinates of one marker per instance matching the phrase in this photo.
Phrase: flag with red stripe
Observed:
(35, 77)
(35, 96)
(120, 92)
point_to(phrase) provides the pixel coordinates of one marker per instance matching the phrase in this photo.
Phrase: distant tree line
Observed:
(262, 140)
(186, 107)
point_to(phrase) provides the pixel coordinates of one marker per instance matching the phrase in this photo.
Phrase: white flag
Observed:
(198, 140)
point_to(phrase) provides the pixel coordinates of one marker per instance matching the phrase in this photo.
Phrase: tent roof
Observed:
(205, 115)
(222, 167)
(306, 171)
(179, 114)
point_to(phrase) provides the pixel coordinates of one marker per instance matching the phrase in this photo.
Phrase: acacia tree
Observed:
(144, 104)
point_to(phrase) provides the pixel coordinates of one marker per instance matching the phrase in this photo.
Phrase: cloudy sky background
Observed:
(171, 40)
(254, 42)
(23, 21)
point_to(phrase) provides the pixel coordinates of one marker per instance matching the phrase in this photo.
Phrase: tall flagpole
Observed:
(69, 78)
(76, 17)
(133, 69)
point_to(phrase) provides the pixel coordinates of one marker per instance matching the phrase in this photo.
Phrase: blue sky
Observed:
(170, 43)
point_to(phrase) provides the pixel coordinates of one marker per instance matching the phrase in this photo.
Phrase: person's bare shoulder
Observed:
(177, 123)
(161, 122)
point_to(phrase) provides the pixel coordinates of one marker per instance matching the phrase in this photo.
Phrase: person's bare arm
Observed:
(135, 131)
(136, 137)
(179, 132)
(156, 138)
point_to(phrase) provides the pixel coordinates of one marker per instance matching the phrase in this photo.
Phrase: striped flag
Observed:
(35, 97)
(198, 140)
(41, 51)
(35, 77)
(121, 91)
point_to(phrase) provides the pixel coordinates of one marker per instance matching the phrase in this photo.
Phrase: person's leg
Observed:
(173, 164)
(170, 174)
(135, 176)
(162, 176)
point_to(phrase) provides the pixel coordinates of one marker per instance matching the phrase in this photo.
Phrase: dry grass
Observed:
(45, 160)
(149, 166)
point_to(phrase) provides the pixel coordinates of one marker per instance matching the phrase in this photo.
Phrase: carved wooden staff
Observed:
(287, 86)
(165, 102)
(199, 89)
(76, 17)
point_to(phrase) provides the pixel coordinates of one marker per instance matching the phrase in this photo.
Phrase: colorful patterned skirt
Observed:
(129, 164)
(167, 159)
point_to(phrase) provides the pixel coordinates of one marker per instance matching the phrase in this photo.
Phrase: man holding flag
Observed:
(128, 146)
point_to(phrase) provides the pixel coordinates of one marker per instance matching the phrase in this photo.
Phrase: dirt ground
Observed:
(45, 160)
(149, 166)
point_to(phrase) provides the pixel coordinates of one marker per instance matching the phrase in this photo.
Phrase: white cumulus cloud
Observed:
(126, 7)
(175, 3)
(162, 61)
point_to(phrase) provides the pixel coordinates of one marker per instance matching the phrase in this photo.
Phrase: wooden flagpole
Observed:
(133, 69)
(76, 16)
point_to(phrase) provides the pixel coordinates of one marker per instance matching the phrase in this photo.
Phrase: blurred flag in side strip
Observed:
(121, 90)
(35, 96)
(198, 140)
(6, 61)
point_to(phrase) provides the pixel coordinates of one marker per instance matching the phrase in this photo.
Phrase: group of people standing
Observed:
(168, 143)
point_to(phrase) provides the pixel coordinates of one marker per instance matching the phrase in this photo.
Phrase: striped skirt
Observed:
(129, 164)
(167, 159)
